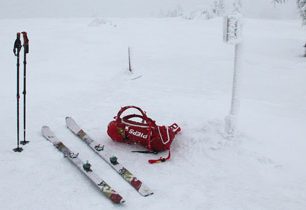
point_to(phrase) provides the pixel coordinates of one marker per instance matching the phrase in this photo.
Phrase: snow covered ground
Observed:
(78, 67)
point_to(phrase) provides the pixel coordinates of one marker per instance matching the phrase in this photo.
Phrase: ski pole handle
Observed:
(25, 42)
(17, 45)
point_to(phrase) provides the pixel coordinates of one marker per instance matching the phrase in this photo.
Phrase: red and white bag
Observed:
(146, 133)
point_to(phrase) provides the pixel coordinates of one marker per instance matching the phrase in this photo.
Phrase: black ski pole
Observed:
(26, 50)
(16, 50)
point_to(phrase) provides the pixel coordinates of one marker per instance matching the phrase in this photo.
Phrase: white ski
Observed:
(85, 168)
(108, 157)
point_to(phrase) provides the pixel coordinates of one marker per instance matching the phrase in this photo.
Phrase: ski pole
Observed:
(16, 50)
(26, 50)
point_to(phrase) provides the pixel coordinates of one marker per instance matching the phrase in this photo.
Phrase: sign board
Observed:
(232, 27)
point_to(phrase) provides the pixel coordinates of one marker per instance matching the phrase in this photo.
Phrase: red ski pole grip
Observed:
(25, 42)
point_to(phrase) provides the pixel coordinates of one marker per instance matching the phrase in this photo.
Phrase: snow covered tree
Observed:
(176, 12)
(301, 4)
(279, 1)
(218, 7)
(237, 6)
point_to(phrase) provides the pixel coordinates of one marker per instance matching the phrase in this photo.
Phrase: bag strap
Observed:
(123, 109)
(161, 159)
(175, 128)
(144, 124)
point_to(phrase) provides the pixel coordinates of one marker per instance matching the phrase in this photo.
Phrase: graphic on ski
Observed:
(108, 157)
(85, 168)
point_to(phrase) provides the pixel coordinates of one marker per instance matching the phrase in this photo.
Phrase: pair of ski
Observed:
(85, 168)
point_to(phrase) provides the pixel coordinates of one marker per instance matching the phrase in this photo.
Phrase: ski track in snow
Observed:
(184, 75)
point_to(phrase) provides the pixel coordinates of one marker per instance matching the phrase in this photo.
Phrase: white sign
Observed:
(232, 27)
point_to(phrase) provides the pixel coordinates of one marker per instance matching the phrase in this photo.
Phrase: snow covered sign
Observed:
(232, 28)
(232, 34)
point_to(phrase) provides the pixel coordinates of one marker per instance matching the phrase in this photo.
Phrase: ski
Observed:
(108, 157)
(85, 168)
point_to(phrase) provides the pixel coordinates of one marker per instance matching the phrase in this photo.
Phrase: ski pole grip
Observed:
(17, 45)
(25, 42)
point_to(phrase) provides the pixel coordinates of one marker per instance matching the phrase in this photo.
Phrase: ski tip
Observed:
(46, 132)
(144, 190)
(146, 194)
(152, 193)
(67, 118)
(69, 121)
(72, 125)
(43, 128)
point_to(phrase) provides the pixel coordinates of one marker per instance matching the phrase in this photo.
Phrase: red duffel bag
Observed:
(142, 131)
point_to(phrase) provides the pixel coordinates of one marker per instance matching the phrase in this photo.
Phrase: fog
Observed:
(133, 8)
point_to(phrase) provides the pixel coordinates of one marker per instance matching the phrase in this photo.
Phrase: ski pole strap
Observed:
(25, 42)
(161, 159)
(17, 45)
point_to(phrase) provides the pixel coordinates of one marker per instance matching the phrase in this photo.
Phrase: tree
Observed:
(218, 7)
(301, 4)
(279, 1)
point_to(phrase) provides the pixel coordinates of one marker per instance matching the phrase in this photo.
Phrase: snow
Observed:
(78, 67)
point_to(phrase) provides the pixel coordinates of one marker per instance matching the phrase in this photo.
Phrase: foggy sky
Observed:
(131, 8)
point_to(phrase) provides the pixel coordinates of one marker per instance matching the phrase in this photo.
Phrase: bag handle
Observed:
(123, 109)
(149, 125)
